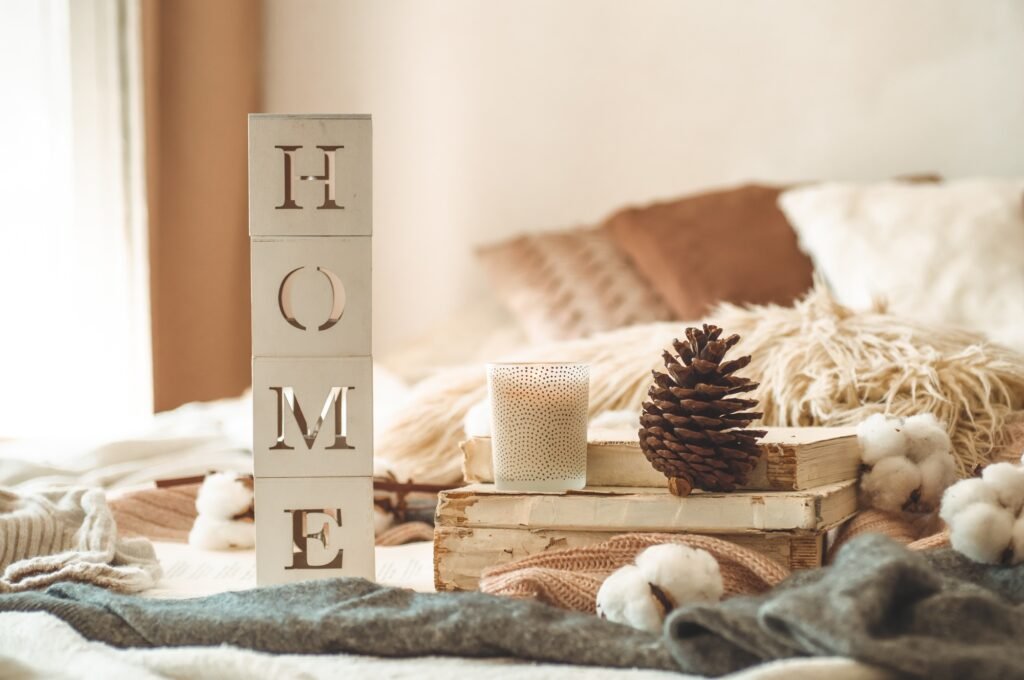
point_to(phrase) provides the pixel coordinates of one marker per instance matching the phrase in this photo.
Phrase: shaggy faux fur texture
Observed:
(819, 363)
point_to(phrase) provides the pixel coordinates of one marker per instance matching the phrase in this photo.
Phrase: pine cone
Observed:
(692, 430)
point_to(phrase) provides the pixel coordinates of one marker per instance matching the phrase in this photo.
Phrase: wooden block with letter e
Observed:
(319, 527)
(310, 221)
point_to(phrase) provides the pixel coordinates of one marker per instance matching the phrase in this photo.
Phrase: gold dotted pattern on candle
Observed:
(539, 421)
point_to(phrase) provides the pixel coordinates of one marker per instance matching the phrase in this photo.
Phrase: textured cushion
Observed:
(569, 284)
(732, 245)
(948, 253)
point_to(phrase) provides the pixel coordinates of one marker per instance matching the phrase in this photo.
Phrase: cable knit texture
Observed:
(69, 535)
(160, 514)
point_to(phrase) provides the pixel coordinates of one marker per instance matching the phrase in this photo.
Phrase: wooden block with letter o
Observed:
(311, 296)
(313, 528)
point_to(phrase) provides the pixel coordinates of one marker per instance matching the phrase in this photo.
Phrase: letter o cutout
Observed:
(338, 299)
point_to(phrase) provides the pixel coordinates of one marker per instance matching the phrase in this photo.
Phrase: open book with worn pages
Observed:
(793, 458)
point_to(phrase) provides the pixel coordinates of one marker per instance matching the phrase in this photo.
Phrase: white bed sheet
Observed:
(191, 572)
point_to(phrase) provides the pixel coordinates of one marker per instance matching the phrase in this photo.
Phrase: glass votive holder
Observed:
(539, 425)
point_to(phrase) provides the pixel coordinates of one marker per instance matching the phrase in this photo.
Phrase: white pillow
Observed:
(949, 252)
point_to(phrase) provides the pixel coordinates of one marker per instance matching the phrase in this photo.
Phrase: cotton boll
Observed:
(964, 493)
(925, 437)
(881, 437)
(210, 533)
(982, 532)
(685, 574)
(890, 484)
(223, 495)
(478, 420)
(1007, 480)
(938, 472)
(625, 597)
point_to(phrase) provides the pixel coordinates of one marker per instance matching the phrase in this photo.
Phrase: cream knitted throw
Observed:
(570, 578)
(69, 535)
(818, 363)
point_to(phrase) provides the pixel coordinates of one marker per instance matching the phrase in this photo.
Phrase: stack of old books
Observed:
(804, 485)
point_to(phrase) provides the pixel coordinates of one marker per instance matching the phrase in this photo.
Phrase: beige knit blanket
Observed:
(69, 535)
(570, 578)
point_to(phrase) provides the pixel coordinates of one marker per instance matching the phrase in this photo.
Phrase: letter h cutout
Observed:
(310, 223)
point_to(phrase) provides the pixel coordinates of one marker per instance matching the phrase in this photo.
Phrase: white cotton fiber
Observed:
(1017, 541)
(925, 437)
(478, 420)
(982, 532)
(890, 484)
(938, 472)
(685, 574)
(223, 495)
(1007, 480)
(963, 493)
(880, 437)
(211, 533)
(625, 597)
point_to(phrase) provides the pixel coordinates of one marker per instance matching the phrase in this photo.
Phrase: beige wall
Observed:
(496, 117)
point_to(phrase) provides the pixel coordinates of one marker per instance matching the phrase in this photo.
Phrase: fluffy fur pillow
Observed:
(940, 253)
(818, 363)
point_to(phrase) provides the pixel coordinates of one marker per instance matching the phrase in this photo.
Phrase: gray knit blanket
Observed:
(929, 614)
(933, 615)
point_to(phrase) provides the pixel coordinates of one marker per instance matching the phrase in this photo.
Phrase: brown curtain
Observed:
(202, 66)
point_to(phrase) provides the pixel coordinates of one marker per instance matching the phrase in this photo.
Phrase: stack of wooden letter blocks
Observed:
(310, 224)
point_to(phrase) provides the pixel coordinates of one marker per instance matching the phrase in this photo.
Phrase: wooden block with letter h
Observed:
(310, 221)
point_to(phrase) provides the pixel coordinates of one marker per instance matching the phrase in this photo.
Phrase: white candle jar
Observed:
(539, 425)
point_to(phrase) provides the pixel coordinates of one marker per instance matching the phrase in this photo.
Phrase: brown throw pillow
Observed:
(732, 245)
(569, 284)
